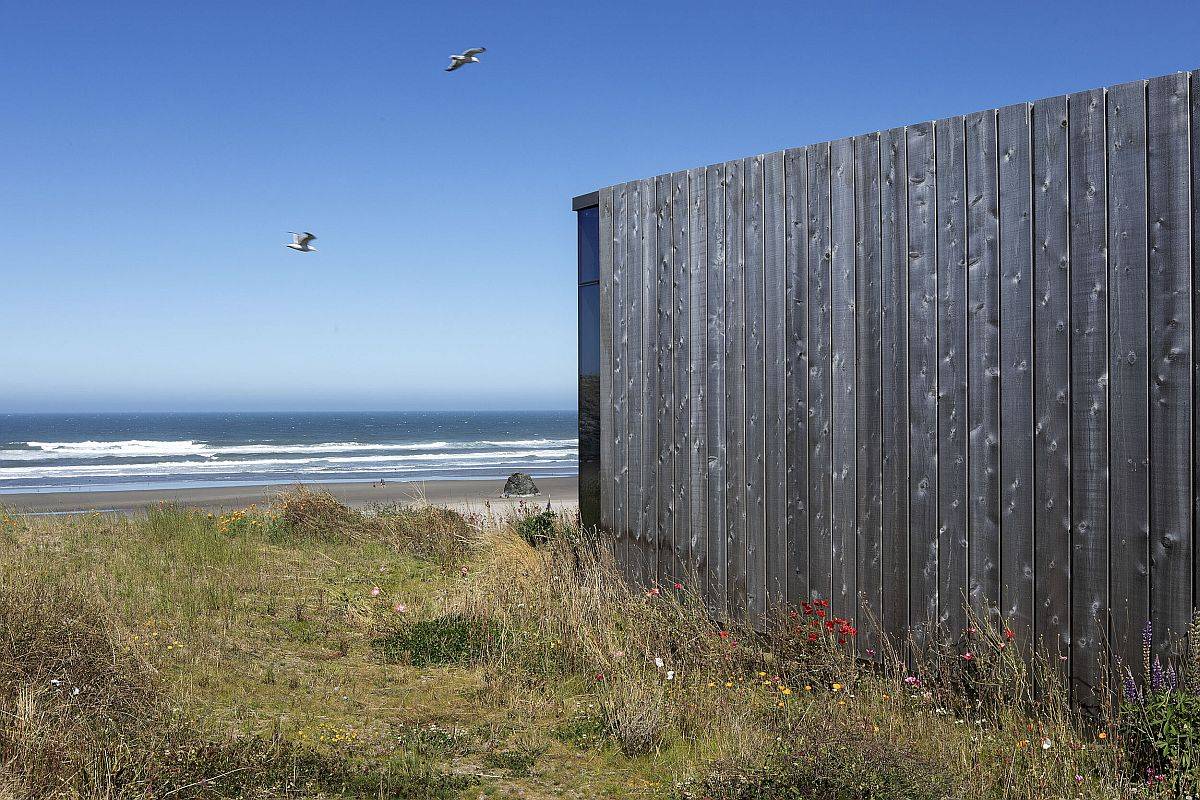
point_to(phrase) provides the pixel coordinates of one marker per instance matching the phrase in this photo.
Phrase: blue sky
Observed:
(155, 154)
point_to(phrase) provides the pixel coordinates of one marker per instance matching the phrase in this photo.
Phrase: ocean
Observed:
(96, 452)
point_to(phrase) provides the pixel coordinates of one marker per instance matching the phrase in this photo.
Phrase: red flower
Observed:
(724, 634)
(1008, 634)
(678, 585)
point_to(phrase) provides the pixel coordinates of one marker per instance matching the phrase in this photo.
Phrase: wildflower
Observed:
(785, 691)
(1102, 735)
(1008, 634)
(808, 687)
(599, 676)
(658, 662)
(670, 674)
(870, 652)
(678, 585)
(400, 608)
(1047, 744)
(724, 634)
(618, 654)
(711, 684)
(837, 687)
(728, 684)
(464, 570)
(375, 590)
(968, 656)
(762, 674)
(1079, 779)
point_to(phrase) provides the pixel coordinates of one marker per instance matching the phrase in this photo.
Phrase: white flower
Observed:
(55, 682)
(1047, 744)
(658, 662)
(670, 674)
(75, 692)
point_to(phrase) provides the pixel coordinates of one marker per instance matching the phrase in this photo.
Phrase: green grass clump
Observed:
(448, 639)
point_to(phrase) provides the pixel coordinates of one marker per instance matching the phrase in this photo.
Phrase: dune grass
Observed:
(309, 649)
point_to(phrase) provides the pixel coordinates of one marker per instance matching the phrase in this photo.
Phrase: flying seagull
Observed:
(469, 57)
(300, 241)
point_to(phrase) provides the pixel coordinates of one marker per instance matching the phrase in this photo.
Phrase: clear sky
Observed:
(154, 154)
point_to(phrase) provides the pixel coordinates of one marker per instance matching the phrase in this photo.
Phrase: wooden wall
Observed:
(946, 364)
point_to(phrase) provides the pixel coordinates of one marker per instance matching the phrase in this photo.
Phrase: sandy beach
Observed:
(462, 494)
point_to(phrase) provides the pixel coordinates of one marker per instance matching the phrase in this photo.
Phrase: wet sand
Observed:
(467, 494)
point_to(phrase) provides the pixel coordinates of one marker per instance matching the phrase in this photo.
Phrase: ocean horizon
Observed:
(61, 452)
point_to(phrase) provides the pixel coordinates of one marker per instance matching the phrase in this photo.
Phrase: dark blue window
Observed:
(589, 365)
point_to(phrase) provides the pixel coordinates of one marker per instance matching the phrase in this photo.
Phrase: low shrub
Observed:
(536, 527)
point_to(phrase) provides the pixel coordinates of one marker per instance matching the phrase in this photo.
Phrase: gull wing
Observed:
(474, 51)
(455, 63)
(303, 239)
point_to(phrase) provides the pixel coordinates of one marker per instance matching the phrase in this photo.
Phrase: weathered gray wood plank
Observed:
(735, 389)
(983, 365)
(1051, 376)
(1129, 538)
(634, 369)
(1170, 356)
(1195, 154)
(796, 379)
(774, 364)
(756, 410)
(845, 491)
(697, 363)
(607, 234)
(1089, 391)
(1016, 370)
(681, 441)
(868, 435)
(622, 290)
(645, 535)
(616, 434)
(893, 203)
(922, 379)
(952, 375)
(715, 592)
(665, 406)
(820, 392)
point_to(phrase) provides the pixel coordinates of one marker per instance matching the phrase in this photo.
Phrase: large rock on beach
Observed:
(519, 485)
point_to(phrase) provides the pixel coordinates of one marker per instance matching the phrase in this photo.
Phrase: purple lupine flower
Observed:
(1131, 689)
(1172, 678)
(1157, 681)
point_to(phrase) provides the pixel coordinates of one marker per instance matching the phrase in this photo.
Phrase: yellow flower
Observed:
(1103, 735)
(841, 702)
(711, 684)
(807, 687)
(786, 691)
(762, 674)
(728, 684)
(837, 687)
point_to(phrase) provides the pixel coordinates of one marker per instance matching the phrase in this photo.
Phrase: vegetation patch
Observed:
(448, 639)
